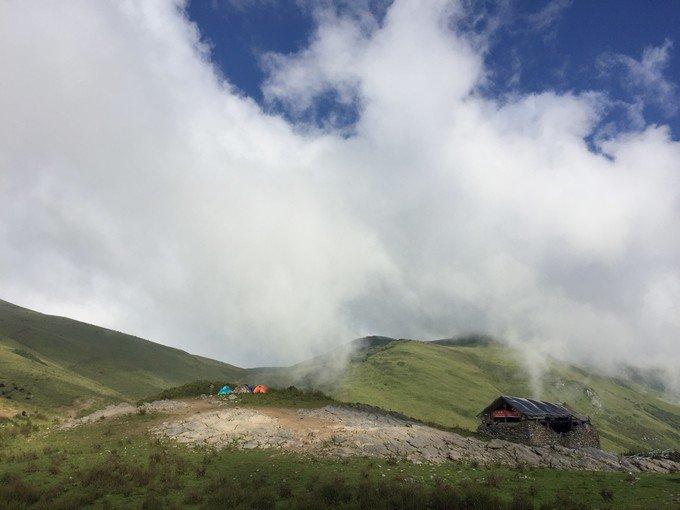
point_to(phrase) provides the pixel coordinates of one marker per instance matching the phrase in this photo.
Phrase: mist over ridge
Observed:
(170, 205)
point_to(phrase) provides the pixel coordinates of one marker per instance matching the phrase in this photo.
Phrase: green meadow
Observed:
(117, 464)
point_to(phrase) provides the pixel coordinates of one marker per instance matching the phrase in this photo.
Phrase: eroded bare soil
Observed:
(124, 408)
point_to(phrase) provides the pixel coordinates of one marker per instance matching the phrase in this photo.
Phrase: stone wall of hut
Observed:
(534, 433)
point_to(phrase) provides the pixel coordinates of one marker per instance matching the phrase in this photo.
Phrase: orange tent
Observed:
(260, 388)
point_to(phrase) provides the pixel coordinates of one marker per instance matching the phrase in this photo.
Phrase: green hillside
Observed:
(54, 363)
(449, 383)
(59, 360)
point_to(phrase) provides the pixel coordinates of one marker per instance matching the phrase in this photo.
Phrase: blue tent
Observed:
(225, 390)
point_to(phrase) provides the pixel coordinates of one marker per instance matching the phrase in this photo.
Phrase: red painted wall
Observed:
(504, 413)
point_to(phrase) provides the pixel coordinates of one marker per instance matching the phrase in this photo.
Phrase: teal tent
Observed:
(225, 390)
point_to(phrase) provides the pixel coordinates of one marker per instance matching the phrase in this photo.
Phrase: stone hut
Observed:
(536, 423)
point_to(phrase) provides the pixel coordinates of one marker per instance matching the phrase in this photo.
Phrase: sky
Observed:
(261, 181)
(560, 45)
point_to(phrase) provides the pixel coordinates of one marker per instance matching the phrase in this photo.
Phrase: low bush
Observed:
(494, 480)
(565, 501)
(522, 501)
(606, 494)
(335, 491)
(153, 501)
(193, 497)
(289, 397)
(285, 491)
(16, 493)
(263, 499)
(192, 389)
(224, 493)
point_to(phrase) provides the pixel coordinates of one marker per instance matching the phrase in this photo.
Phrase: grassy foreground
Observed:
(117, 464)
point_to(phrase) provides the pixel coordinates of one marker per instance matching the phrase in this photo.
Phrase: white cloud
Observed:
(329, 63)
(545, 18)
(646, 77)
(141, 193)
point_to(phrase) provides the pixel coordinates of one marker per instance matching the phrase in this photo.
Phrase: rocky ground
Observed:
(344, 431)
(122, 409)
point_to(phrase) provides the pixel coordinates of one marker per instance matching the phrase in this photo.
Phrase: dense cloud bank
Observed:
(141, 192)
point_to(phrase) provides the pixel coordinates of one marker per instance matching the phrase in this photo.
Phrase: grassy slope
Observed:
(49, 384)
(60, 361)
(81, 360)
(451, 384)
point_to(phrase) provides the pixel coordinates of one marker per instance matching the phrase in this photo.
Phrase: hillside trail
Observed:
(77, 406)
(124, 409)
(343, 431)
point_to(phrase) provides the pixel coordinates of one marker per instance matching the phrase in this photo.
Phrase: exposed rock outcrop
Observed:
(343, 431)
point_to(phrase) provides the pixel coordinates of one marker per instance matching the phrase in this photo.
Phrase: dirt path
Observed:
(7, 412)
(124, 408)
(343, 431)
(77, 406)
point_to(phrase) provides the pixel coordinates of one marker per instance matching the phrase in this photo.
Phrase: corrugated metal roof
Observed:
(532, 408)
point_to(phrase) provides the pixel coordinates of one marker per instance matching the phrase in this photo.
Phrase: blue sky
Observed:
(560, 45)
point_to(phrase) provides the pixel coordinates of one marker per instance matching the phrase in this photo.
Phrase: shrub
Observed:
(193, 497)
(76, 499)
(8, 430)
(139, 476)
(26, 428)
(153, 501)
(521, 501)
(263, 499)
(444, 497)
(111, 475)
(335, 491)
(26, 457)
(31, 467)
(54, 469)
(15, 492)
(169, 479)
(606, 494)
(285, 490)
(312, 483)
(402, 494)
(192, 389)
(565, 501)
(225, 494)
(102, 476)
(478, 498)
(494, 480)
(156, 456)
